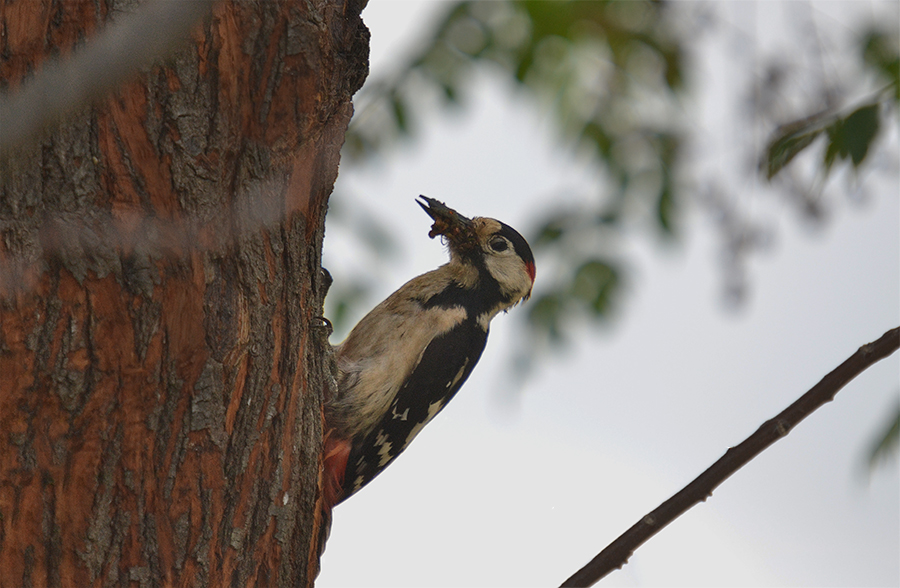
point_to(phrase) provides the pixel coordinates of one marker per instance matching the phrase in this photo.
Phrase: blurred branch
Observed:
(616, 554)
(79, 240)
(135, 41)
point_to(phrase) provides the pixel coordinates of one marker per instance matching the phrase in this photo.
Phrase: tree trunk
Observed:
(161, 375)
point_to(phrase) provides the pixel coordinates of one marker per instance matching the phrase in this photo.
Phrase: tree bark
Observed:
(161, 376)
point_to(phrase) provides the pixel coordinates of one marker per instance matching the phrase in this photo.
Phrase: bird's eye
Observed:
(499, 244)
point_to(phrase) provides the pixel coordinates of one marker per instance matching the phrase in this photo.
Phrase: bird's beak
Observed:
(447, 222)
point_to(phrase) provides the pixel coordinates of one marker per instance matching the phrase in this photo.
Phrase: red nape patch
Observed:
(334, 465)
(529, 267)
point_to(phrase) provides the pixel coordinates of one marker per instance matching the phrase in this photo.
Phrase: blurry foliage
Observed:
(848, 136)
(819, 144)
(881, 50)
(608, 73)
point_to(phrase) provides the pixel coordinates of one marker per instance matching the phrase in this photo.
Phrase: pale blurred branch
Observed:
(82, 238)
(616, 554)
(132, 42)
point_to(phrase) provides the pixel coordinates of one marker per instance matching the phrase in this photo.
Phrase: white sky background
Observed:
(523, 489)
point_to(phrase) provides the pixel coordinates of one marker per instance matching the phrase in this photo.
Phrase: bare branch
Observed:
(118, 52)
(616, 554)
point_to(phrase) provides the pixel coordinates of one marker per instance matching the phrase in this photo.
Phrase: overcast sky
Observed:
(522, 487)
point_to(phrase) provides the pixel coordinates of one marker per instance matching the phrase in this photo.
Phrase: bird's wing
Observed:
(446, 363)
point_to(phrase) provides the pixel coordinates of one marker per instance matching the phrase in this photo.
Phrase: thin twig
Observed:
(616, 554)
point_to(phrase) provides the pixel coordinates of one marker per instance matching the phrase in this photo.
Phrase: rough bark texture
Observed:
(160, 375)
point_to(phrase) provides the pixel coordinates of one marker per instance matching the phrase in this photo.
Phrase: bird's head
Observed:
(486, 242)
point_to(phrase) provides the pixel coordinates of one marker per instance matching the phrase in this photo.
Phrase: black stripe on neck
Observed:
(483, 297)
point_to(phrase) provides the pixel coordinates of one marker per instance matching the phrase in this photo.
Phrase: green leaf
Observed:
(545, 314)
(887, 442)
(881, 51)
(852, 136)
(399, 110)
(552, 230)
(596, 135)
(594, 283)
(788, 143)
(450, 92)
(860, 129)
(525, 61)
(665, 207)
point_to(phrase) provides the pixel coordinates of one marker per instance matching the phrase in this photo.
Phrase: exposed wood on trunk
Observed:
(160, 375)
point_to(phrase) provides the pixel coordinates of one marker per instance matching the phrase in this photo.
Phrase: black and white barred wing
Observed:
(446, 363)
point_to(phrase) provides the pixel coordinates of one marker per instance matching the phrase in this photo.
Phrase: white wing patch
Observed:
(384, 449)
(458, 376)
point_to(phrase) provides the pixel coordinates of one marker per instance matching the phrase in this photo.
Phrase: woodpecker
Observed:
(410, 355)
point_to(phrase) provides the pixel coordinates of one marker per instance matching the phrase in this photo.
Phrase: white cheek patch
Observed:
(509, 271)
